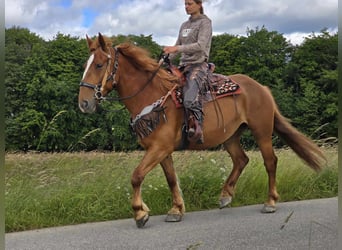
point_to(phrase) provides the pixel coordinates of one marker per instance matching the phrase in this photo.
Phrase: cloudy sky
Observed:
(162, 18)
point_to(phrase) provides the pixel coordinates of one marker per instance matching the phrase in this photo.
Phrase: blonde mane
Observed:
(141, 59)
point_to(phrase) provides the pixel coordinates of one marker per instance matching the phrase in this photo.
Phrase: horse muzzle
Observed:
(87, 106)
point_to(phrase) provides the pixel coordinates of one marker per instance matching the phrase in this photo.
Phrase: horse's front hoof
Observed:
(141, 222)
(268, 209)
(224, 202)
(173, 218)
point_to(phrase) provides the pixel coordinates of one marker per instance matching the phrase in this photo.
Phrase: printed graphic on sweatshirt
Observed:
(186, 32)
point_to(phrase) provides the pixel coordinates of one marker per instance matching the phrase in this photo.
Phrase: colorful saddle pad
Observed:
(220, 86)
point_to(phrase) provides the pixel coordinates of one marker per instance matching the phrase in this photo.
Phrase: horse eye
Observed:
(99, 65)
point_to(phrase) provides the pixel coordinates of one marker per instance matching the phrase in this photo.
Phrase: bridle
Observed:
(97, 88)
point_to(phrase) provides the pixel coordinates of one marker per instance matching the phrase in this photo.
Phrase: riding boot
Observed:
(195, 132)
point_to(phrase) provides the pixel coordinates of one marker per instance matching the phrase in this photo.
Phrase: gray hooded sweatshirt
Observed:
(194, 40)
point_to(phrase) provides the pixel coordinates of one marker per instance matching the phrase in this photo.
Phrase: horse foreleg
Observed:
(177, 211)
(150, 160)
(139, 207)
(240, 160)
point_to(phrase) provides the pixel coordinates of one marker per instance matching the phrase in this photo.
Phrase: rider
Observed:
(194, 41)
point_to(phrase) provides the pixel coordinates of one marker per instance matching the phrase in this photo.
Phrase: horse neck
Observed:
(132, 83)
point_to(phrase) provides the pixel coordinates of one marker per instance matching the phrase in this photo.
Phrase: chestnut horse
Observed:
(142, 84)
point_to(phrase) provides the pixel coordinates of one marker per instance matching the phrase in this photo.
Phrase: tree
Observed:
(41, 80)
(263, 55)
(19, 46)
(313, 79)
(22, 122)
(224, 53)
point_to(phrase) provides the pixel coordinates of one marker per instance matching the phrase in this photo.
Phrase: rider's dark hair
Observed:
(200, 2)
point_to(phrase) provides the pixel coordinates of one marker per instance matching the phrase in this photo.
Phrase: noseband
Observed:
(97, 88)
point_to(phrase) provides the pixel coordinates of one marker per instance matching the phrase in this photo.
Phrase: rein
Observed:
(143, 87)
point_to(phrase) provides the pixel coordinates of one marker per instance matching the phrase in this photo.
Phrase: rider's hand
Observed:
(170, 49)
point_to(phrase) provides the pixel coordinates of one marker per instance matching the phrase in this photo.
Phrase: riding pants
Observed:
(196, 84)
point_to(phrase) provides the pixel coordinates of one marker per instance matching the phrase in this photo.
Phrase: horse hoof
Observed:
(267, 209)
(224, 202)
(173, 218)
(141, 223)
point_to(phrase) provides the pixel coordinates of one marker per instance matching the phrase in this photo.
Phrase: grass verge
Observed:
(44, 190)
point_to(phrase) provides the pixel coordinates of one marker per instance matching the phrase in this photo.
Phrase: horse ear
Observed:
(102, 42)
(89, 41)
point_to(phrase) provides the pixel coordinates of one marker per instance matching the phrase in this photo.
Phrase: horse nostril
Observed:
(85, 104)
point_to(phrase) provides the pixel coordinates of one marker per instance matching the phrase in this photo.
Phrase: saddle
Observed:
(145, 122)
(219, 86)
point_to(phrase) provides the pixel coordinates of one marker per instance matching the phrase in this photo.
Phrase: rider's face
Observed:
(191, 7)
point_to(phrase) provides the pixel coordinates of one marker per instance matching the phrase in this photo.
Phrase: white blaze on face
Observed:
(89, 62)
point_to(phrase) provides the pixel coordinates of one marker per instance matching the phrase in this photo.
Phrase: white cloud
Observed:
(20, 13)
(162, 18)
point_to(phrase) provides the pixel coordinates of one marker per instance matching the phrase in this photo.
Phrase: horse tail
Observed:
(305, 148)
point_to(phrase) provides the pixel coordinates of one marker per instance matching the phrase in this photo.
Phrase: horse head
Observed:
(99, 74)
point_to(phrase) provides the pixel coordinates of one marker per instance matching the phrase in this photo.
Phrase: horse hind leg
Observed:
(177, 211)
(240, 160)
(270, 162)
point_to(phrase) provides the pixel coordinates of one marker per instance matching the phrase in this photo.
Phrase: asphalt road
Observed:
(311, 224)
